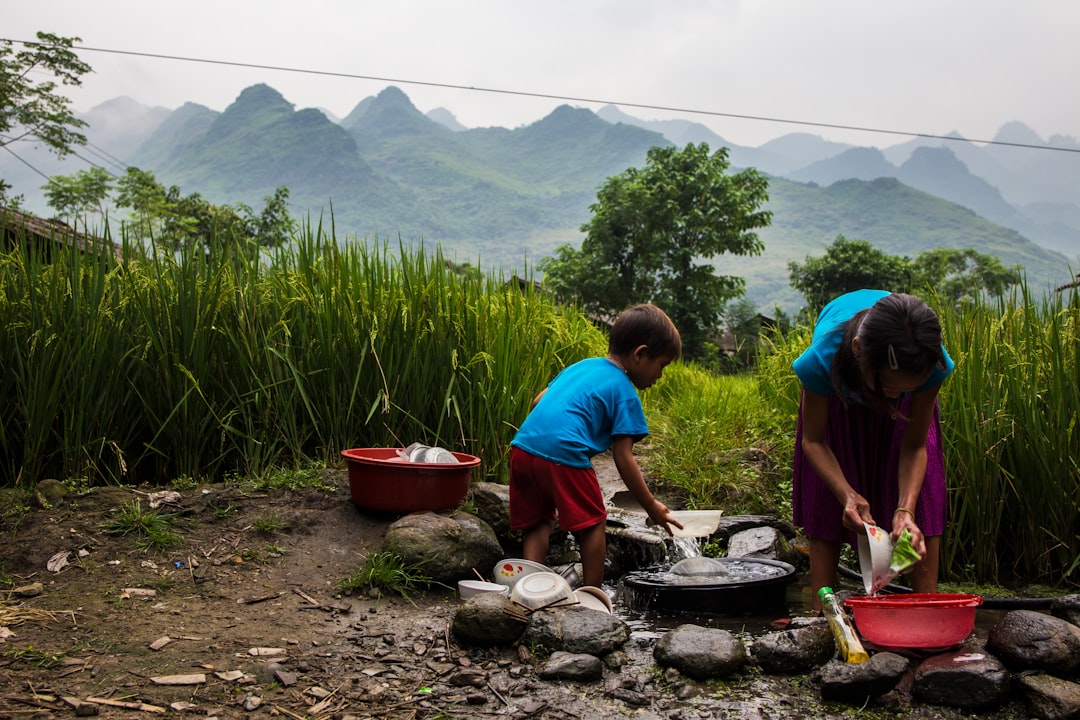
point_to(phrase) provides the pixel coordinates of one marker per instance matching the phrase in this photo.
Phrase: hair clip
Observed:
(893, 365)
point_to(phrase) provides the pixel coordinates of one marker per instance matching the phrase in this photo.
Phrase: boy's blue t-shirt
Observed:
(813, 367)
(584, 408)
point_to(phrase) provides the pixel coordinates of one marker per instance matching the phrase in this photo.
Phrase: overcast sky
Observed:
(919, 66)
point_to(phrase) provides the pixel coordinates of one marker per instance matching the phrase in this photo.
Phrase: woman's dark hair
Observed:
(645, 325)
(899, 332)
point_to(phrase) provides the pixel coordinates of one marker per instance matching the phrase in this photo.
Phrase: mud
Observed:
(248, 609)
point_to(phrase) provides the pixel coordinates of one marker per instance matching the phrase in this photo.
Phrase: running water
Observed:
(680, 548)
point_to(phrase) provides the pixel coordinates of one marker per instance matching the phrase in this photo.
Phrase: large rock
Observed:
(967, 678)
(1051, 698)
(50, 493)
(1067, 608)
(700, 653)
(576, 630)
(857, 682)
(446, 547)
(763, 542)
(491, 503)
(795, 650)
(1030, 640)
(488, 620)
(572, 666)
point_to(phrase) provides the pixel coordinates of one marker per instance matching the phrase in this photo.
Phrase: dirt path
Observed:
(253, 620)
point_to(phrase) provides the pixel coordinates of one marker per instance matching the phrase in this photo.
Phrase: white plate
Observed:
(593, 598)
(509, 570)
(541, 589)
(875, 553)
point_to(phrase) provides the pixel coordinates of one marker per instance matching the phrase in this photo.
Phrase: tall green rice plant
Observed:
(712, 441)
(64, 384)
(1012, 440)
(200, 364)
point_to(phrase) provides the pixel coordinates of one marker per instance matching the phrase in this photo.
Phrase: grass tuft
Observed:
(150, 528)
(386, 571)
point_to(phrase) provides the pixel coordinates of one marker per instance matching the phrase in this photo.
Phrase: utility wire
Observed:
(568, 98)
(106, 156)
(24, 162)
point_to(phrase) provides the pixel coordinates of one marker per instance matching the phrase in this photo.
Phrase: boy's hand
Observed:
(660, 515)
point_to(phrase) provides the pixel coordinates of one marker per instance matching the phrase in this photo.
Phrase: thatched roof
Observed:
(22, 228)
(1074, 284)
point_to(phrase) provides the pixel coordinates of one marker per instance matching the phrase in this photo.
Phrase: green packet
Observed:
(903, 554)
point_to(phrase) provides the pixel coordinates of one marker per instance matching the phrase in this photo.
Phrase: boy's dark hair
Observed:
(646, 325)
(899, 332)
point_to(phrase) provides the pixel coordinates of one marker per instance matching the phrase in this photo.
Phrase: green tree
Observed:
(958, 275)
(847, 265)
(148, 200)
(30, 107)
(652, 232)
(172, 220)
(73, 196)
(273, 226)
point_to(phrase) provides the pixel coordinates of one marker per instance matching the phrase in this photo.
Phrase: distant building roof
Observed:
(1066, 286)
(22, 228)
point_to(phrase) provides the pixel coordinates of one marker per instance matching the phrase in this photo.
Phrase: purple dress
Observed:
(865, 442)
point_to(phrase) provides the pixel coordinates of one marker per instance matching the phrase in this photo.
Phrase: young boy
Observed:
(589, 407)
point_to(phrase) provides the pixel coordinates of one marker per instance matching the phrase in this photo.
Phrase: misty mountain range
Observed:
(499, 197)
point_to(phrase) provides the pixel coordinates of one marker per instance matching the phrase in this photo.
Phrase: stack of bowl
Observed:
(469, 588)
(541, 589)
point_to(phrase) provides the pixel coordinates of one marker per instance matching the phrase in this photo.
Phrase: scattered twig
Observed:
(261, 598)
(496, 694)
(144, 707)
(307, 597)
(288, 712)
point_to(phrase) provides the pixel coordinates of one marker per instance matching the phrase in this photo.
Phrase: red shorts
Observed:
(539, 488)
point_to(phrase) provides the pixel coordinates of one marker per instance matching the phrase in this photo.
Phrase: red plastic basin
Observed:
(381, 480)
(918, 620)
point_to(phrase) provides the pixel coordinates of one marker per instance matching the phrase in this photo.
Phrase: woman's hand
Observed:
(856, 512)
(902, 519)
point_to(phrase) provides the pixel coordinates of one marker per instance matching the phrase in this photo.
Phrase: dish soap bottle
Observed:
(847, 642)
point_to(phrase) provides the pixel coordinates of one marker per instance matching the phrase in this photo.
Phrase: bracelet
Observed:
(904, 510)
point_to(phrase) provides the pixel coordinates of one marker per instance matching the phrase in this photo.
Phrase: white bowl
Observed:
(540, 589)
(468, 588)
(875, 554)
(593, 598)
(696, 523)
(509, 570)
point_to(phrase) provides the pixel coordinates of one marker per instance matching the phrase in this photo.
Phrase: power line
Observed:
(570, 98)
(24, 162)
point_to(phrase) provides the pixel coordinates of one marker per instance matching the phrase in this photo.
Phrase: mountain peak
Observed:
(391, 112)
(260, 97)
(446, 118)
(1018, 132)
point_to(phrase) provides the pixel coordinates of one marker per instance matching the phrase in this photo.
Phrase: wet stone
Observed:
(965, 679)
(1067, 608)
(572, 666)
(794, 651)
(576, 630)
(1029, 640)
(699, 652)
(855, 682)
(1051, 698)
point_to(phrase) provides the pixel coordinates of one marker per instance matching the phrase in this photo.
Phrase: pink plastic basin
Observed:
(381, 480)
(918, 620)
